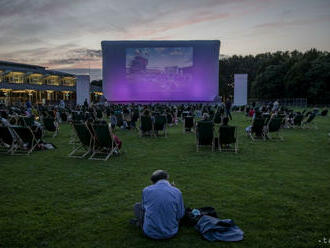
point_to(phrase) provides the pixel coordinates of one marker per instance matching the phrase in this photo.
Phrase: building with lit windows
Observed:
(22, 82)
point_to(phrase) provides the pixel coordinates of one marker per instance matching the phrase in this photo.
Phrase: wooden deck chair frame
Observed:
(300, 123)
(80, 144)
(309, 123)
(235, 149)
(19, 148)
(55, 123)
(151, 132)
(5, 134)
(270, 129)
(251, 133)
(184, 124)
(164, 130)
(198, 146)
(98, 147)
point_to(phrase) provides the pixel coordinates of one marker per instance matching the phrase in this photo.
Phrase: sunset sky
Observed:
(68, 34)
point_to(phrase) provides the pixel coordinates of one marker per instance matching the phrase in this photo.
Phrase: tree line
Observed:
(278, 75)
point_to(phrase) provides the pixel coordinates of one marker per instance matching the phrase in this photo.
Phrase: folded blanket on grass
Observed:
(214, 229)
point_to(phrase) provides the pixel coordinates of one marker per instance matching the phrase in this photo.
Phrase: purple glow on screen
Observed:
(160, 70)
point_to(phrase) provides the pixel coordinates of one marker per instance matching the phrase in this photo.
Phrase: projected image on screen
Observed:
(168, 67)
(153, 71)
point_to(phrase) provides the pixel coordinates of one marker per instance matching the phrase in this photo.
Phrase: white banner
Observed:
(82, 89)
(240, 90)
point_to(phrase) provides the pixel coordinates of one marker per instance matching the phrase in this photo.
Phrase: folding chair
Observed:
(160, 125)
(147, 127)
(309, 122)
(25, 121)
(297, 121)
(274, 126)
(85, 139)
(7, 140)
(188, 125)
(205, 134)
(169, 119)
(324, 112)
(257, 129)
(227, 137)
(99, 114)
(77, 116)
(217, 118)
(64, 116)
(120, 120)
(104, 143)
(284, 122)
(25, 140)
(51, 125)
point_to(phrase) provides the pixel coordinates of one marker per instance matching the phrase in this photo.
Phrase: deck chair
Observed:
(85, 140)
(274, 126)
(227, 137)
(284, 122)
(169, 119)
(51, 125)
(77, 116)
(217, 118)
(205, 134)
(120, 120)
(188, 124)
(184, 114)
(99, 114)
(25, 121)
(64, 116)
(147, 127)
(104, 144)
(324, 112)
(297, 121)
(309, 122)
(160, 125)
(266, 117)
(257, 129)
(25, 140)
(7, 140)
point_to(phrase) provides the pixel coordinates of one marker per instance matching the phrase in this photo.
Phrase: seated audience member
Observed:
(205, 117)
(251, 112)
(113, 120)
(161, 209)
(127, 116)
(256, 114)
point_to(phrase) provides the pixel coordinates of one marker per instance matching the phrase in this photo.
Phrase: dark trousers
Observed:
(139, 214)
(228, 113)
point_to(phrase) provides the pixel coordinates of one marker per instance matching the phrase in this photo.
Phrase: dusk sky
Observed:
(68, 34)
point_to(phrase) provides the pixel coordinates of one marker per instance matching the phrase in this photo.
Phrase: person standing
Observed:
(228, 108)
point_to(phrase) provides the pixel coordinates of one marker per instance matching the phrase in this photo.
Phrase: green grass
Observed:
(277, 192)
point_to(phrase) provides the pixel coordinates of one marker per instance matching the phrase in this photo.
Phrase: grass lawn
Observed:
(278, 193)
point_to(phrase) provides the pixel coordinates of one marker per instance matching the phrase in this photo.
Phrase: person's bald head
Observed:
(159, 175)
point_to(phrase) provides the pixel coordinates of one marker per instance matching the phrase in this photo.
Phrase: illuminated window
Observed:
(52, 80)
(69, 81)
(35, 79)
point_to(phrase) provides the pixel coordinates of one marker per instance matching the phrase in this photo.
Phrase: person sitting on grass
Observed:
(161, 208)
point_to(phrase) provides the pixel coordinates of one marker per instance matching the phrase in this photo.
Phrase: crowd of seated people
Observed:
(126, 116)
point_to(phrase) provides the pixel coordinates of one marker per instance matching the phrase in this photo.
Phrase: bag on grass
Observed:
(191, 219)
